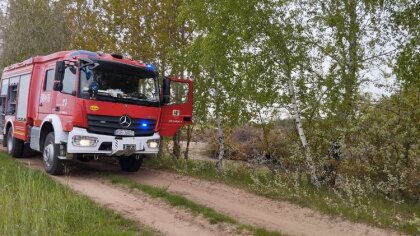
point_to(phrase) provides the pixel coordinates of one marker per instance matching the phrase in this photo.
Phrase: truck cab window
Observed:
(4, 87)
(69, 80)
(48, 82)
(120, 83)
(147, 88)
(179, 93)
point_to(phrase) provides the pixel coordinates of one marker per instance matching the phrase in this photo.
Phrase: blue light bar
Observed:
(83, 52)
(151, 67)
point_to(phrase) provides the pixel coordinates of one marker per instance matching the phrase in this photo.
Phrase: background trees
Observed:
(267, 65)
(405, 21)
(32, 27)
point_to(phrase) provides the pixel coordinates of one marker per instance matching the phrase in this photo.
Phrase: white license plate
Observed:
(124, 132)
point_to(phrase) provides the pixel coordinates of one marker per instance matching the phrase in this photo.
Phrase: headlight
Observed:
(84, 141)
(153, 143)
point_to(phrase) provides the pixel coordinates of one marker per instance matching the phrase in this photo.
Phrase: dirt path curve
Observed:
(245, 207)
(255, 210)
(137, 206)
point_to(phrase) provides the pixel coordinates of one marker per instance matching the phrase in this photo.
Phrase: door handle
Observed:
(57, 108)
(40, 104)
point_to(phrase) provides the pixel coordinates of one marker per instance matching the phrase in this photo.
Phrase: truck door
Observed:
(3, 94)
(46, 98)
(179, 110)
(22, 103)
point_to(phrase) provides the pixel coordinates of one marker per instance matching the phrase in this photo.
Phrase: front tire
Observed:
(14, 145)
(130, 163)
(52, 164)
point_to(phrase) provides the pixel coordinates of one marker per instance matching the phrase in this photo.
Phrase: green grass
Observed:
(212, 215)
(372, 209)
(31, 203)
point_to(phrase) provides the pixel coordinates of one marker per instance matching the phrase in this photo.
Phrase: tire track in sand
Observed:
(246, 207)
(254, 210)
(137, 206)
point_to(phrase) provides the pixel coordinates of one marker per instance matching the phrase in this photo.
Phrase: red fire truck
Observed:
(85, 105)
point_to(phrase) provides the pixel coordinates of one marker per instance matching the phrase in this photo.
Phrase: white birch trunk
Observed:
(301, 133)
(221, 141)
(220, 135)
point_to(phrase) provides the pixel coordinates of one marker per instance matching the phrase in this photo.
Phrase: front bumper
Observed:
(120, 146)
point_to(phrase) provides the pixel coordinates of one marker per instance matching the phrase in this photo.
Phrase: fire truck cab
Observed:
(87, 105)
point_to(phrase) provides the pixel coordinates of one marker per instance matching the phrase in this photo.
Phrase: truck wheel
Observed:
(130, 163)
(52, 164)
(14, 145)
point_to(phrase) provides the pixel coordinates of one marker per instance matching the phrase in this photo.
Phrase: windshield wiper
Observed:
(137, 99)
(106, 97)
(142, 99)
(129, 100)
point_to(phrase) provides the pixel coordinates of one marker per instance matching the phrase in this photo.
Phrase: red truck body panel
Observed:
(73, 110)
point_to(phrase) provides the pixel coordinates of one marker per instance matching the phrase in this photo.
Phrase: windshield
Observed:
(117, 82)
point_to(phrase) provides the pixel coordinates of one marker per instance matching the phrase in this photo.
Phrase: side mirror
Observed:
(60, 67)
(58, 86)
(72, 69)
(166, 88)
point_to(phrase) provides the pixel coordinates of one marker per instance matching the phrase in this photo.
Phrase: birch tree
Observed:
(353, 37)
(288, 49)
(216, 56)
(405, 22)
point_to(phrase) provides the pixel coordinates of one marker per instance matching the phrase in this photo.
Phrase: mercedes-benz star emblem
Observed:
(125, 121)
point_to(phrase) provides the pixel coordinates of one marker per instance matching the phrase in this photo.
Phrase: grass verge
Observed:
(352, 203)
(212, 215)
(31, 203)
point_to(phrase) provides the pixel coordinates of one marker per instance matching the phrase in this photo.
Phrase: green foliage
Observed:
(406, 25)
(33, 27)
(33, 204)
(353, 36)
(241, 56)
(220, 54)
(384, 146)
(90, 26)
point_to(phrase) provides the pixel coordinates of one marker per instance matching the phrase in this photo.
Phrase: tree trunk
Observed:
(299, 128)
(161, 150)
(176, 150)
(352, 67)
(189, 137)
(219, 163)
(177, 137)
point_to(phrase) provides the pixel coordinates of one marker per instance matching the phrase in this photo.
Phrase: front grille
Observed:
(105, 146)
(108, 124)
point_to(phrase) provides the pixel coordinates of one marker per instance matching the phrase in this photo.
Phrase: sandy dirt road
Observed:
(135, 205)
(245, 207)
(254, 210)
